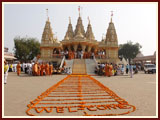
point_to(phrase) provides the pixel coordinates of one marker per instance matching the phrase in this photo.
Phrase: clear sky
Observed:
(135, 22)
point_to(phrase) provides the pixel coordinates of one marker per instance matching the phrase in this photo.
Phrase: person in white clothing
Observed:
(30, 69)
(14, 67)
(82, 54)
(69, 71)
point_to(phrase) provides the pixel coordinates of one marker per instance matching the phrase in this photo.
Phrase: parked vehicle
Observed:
(149, 68)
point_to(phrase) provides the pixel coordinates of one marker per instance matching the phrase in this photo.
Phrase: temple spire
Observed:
(111, 35)
(111, 15)
(89, 33)
(79, 28)
(69, 33)
(79, 10)
(47, 14)
(88, 20)
(69, 20)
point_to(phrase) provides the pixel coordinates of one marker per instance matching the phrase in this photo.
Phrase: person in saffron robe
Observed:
(33, 73)
(50, 69)
(42, 68)
(107, 70)
(39, 69)
(87, 55)
(64, 64)
(110, 69)
(72, 55)
(35, 69)
(18, 69)
(47, 68)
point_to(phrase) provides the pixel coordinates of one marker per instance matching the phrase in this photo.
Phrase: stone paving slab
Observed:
(139, 91)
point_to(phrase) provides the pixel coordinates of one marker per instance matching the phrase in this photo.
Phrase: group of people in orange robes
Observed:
(108, 69)
(74, 55)
(38, 69)
(42, 69)
(71, 55)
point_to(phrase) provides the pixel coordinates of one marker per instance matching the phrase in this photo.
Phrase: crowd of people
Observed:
(46, 68)
(80, 54)
(109, 69)
(37, 68)
(34, 68)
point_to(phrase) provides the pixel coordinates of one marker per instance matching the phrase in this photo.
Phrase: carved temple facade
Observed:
(80, 40)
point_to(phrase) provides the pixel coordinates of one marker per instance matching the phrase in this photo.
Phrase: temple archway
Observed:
(92, 49)
(55, 51)
(86, 49)
(72, 48)
(65, 48)
(79, 48)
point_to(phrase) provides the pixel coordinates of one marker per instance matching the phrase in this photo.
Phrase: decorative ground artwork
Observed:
(79, 95)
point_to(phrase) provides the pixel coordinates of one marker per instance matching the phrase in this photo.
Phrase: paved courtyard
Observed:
(139, 91)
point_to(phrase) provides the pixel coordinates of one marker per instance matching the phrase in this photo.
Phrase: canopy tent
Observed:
(8, 57)
(124, 62)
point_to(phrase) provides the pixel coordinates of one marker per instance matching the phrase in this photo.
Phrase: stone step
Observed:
(69, 63)
(79, 66)
(90, 66)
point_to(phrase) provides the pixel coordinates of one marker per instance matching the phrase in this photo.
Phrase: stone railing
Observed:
(101, 57)
(57, 56)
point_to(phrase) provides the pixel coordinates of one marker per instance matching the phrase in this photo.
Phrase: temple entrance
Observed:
(79, 48)
(72, 48)
(79, 52)
(55, 51)
(86, 49)
(92, 49)
(65, 48)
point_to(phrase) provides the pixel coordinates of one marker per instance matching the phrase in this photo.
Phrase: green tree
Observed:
(26, 48)
(129, 50)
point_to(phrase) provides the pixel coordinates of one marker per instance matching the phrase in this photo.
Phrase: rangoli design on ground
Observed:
(79, 94)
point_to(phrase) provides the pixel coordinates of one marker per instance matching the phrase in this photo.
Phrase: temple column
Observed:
(69, 48)
(89, 48)
(75, 47)
(95, 50)
(83, 48)
(107, 55)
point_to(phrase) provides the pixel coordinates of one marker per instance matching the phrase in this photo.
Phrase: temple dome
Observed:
(48, 36)
(69, 33)
(139, 55)
(79, 31)
(89, 33)
(111, 35)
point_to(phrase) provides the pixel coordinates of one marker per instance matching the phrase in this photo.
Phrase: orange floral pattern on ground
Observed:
(80, 93)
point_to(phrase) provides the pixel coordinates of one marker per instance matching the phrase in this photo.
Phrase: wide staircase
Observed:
(90, 66)
(79, 67)
(69, 63)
